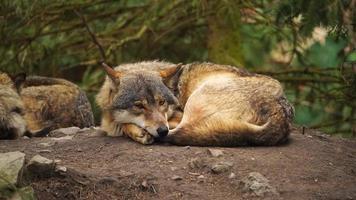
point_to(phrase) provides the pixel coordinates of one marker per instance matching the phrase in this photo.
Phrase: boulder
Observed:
(11, 165)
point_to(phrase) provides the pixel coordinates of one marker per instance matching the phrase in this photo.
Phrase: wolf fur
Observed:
(35, 105)
(12, 123)
(52, 103)
(227, 106)
(135, 102)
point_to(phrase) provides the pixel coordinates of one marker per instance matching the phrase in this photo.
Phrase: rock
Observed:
(68, 137)
(41, 166)
(187, 147)
(258, 185)
(176, 178)
(221, 167)
(11, 165)
(61, 169)
(46, 144)
(25, 193)
(44, 151)
(215, 152)
(196, 163)
(232, 175)
(193, 174)
(64, 132)
(144, 184)
(174, 168)
(201, 177)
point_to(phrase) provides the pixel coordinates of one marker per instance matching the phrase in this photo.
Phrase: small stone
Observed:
(144, 184)
(187, 147)
(232, 175)
(193, 174)
(201, 177)
(46, 144)
(61, 169)
(68, 137)
(44, 151)
(79, 150)
(40, 166)
(25, 137)
(174, 168)
(196, 163)
(197, 152)
(258, 185)
(61, 132)
(221, 167)
(176, 178)
(253, 158)
(215, 152)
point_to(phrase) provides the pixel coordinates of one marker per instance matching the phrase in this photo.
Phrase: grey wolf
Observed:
(223, 105)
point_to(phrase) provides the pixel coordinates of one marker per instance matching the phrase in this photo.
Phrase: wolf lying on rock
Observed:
(35, 105)
(223, 105)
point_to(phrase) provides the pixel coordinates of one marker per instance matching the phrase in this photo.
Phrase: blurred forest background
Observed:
(309, 45)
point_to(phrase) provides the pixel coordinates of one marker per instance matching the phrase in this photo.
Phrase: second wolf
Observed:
(35, 105)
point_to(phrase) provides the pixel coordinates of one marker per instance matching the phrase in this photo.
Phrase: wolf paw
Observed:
(138, 134)
(145, 138)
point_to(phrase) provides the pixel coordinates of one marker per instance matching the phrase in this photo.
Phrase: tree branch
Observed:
(92, 35)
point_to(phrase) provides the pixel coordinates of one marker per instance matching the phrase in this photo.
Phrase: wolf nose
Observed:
(162, 131)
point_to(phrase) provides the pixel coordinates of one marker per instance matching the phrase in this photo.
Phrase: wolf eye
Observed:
(162, 102)
(139, 105)
(17, 110)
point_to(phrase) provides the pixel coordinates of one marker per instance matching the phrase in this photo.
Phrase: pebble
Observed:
(221, 167)
(215, 152)
(176, 178)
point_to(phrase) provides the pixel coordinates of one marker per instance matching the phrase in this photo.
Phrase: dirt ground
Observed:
(310, 166)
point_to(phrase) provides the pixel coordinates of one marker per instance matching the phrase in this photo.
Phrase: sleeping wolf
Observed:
(135, 102)
(223, 105)
(35, 105)
(52, 103)
(12, 123)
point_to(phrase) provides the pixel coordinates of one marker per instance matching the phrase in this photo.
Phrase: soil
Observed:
(310, 166)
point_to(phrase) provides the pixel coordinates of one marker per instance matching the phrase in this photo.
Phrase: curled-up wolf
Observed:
(35, 105)
(223, 105)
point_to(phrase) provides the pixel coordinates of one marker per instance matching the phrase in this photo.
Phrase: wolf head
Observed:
(12, 123)
(141, 98)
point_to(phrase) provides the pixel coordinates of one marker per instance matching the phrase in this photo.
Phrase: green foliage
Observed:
(68, 39)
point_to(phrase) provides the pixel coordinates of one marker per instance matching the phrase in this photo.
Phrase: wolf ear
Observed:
(169, 72)
(19, 79)
(113, 74)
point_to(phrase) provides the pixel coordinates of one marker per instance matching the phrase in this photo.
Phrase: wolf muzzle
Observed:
(162, 131)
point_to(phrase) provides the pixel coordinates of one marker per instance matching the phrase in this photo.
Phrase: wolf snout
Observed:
(162, 131)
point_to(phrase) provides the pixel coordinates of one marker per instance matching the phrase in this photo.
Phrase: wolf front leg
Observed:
(108, 125)
(138, 134)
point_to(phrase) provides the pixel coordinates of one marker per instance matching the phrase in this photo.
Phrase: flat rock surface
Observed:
(310, 166)
(11, 164)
